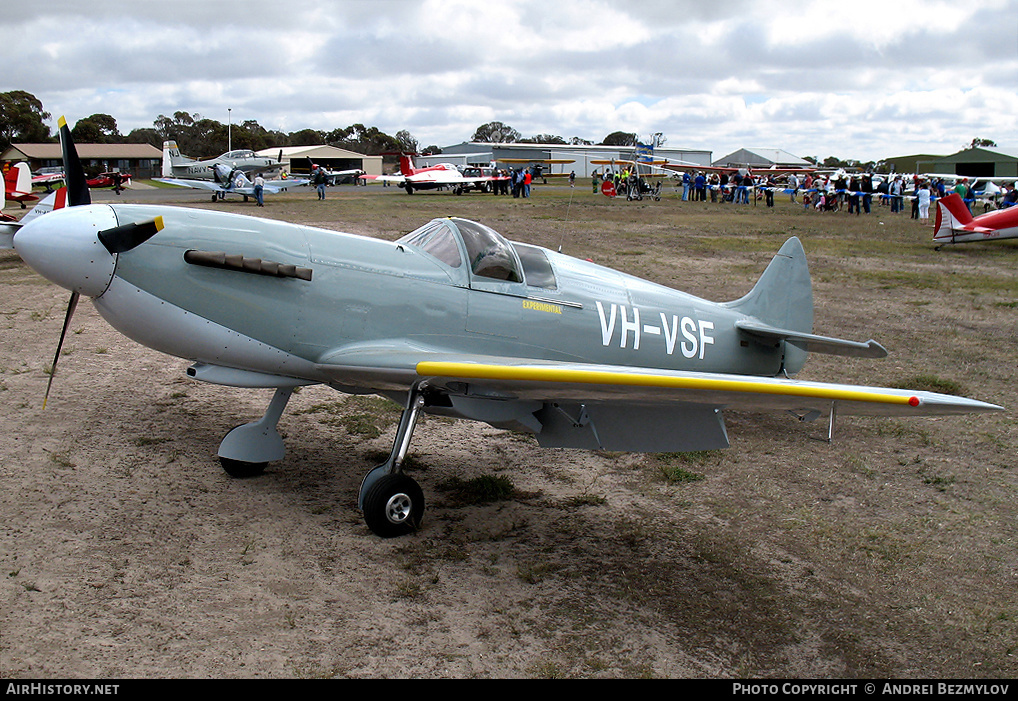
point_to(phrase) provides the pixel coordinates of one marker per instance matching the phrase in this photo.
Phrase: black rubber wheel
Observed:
(394, 506)
(241, 469)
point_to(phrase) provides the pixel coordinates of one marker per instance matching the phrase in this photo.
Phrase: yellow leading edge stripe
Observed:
(509, 372)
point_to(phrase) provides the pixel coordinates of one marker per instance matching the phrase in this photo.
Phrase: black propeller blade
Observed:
(77, 188)
(71, 306)
(123, 238)
(77, 194)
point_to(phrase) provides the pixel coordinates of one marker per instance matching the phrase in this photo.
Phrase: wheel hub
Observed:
(398, 508)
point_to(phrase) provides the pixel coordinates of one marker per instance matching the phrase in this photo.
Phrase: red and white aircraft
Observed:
(955, 224)
(18, 184)
(441, 175)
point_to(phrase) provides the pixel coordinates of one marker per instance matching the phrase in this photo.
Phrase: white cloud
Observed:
(860, 80)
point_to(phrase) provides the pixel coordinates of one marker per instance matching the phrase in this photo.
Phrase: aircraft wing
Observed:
(385, 178)
(440, 177)
(279, 185)
(556, 381)
(196, 184)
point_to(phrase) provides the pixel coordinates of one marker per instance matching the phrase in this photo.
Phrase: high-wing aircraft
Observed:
(233, 182)
(955, 223)
(412, 179)
(18, 184)
(176, 165)
(451, 319)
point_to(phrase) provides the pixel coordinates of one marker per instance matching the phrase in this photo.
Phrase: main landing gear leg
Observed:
(247, 449)
(392, 502)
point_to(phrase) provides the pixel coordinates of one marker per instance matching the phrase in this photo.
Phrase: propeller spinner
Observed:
(76, 247)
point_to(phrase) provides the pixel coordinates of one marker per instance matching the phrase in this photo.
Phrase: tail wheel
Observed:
(241, 469)
(394, 506)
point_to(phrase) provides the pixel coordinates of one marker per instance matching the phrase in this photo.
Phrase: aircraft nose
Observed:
(63, 246)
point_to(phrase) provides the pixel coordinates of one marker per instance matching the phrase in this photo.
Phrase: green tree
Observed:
(495, 133)
(362, 139)
(544, 139)
(144, 136)
(22, 119)
(307, 137)
(619, 138)
(97, 129)
(407, 142)
(980, 143)
(250, 134)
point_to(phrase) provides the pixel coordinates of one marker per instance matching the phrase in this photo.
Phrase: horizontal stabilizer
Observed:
(811, 342)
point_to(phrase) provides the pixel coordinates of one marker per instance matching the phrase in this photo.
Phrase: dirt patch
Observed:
(128, 552)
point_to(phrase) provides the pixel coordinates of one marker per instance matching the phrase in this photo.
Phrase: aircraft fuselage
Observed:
(366, 291)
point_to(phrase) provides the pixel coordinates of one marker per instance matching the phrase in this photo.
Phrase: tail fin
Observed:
(952, 215)
(406, 165)
(172, 157)
(780, 307)
(18, 179)
(783, 298)
(23, 180)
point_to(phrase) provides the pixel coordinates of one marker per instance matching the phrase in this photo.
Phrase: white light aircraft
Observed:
(412, 179)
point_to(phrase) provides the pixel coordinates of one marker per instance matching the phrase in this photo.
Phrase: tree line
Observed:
(23, 120)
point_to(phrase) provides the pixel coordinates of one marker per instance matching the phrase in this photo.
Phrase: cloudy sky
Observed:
(858, 79)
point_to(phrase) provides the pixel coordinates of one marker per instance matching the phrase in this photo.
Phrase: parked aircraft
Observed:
(451, 319)
(332, 176)
(412, 179)
(18, 184)
(48, 177)
(3, 205)
(176, 165)
(233, 182)
(955, 223)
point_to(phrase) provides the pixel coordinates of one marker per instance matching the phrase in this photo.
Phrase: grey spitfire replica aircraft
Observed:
(451, 319)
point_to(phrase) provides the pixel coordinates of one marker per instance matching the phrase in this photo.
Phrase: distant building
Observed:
(909, 164)
(140, 160)
(581, 157)
(983, 161)
(326, 156)
(761, 158)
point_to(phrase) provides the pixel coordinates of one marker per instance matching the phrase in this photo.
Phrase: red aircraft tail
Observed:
(18, 180)
(952, 214)
(406, 165)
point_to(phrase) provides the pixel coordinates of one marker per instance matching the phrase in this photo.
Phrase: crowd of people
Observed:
(836, 192)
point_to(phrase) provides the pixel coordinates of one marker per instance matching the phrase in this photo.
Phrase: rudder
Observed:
(783, 298)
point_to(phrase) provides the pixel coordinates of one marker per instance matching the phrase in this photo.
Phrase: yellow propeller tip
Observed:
(159, 223)
(61, 123)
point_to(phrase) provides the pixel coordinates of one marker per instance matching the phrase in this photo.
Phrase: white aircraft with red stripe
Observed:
(18, 184)
(955, 223)
(412, 179)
